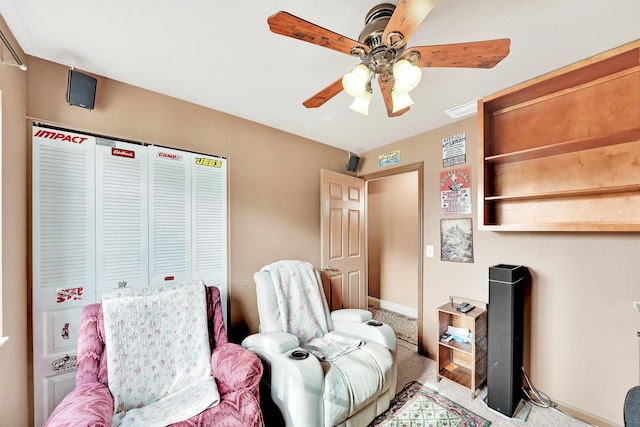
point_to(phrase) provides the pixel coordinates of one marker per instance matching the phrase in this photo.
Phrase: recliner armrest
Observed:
(277, 342)
(381, 333)
(351, 315)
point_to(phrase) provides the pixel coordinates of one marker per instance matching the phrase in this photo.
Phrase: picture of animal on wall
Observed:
(456, 240)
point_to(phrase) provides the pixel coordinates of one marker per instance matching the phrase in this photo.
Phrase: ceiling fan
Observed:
(382, 50)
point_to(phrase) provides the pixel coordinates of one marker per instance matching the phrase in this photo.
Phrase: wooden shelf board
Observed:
(632, 188)
(458, 346)
(458, 374)
(563, 226)
(622, 137)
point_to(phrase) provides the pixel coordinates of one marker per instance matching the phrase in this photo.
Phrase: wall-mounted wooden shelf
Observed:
(561, 152)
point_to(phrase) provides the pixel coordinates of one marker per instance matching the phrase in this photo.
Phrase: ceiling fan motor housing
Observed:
(380, 57)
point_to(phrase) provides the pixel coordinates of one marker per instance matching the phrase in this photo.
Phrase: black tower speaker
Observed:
(353, 163)
(81, 90)
(505, 335)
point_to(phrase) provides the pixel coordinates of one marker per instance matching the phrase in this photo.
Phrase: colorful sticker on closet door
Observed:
(65, 332)
(70, 294)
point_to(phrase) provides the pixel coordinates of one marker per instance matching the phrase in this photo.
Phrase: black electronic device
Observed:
(446, 337)
(353, 163)
(467, 308)
(505, 335)
(81, 90)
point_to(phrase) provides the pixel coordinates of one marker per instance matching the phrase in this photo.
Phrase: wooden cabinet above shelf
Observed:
(561, 152)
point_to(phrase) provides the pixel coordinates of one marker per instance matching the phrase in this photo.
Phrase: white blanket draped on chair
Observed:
(302, 309)
(158, 354)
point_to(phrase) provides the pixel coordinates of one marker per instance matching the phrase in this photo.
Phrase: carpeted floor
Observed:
(415, 367)
(405, 327)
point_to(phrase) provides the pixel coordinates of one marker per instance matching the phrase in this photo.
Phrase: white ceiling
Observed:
(222, 55)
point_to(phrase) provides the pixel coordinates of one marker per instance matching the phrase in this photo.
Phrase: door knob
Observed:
(328, 268)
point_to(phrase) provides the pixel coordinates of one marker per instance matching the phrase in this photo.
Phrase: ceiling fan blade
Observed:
(385, 89)
(483, 54)
(324, 95)
(407, 17)
(291, 26)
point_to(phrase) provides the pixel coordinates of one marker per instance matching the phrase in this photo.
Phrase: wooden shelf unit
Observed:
(463, 363)
(561, 152)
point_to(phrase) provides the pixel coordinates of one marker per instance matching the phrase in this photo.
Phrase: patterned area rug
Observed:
(419, 406)
(405, 327)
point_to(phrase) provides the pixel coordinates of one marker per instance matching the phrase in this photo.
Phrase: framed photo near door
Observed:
(456, 240)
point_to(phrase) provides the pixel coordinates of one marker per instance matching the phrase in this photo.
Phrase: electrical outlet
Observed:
(429, 251)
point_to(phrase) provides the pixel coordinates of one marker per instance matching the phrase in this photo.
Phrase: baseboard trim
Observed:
(583, 416)
(398, 308)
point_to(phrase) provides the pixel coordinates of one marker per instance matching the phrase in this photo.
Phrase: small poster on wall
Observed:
(454, 150)
(455, 191)
(456, 240)
(389, 158)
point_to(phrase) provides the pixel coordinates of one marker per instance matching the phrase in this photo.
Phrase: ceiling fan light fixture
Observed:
(361, 103)
(400, 100)
(355, 82)
(406, 75)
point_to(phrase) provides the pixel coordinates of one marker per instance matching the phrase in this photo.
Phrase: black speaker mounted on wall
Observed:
(353, 163)
(81, 90)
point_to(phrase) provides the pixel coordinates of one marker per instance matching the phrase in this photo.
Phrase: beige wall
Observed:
(392, 233)
(581, 346)
(14, 370)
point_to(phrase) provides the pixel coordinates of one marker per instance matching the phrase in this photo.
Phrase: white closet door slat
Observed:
(209, 201)
(63, 257)
(169, 215)
(122, 211)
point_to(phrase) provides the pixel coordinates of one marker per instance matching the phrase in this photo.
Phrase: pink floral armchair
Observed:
(237, 372)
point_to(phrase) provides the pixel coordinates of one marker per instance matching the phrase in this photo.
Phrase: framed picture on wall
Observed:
(456, 240)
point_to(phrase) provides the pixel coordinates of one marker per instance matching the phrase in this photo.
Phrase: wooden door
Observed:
(342, 236)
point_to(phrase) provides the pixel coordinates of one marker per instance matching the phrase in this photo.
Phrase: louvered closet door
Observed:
(169, 215)
(209, 222)
(122, 210)
(63, 258)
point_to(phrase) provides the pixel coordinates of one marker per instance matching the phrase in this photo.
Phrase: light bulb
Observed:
(361, 103)
(406, 76)
(401, 100)
(355, 82)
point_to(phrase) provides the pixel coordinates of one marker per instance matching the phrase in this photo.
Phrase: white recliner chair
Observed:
(349, 391)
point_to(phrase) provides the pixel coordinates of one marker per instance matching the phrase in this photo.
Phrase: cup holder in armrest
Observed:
(374, 323)
(298, 354)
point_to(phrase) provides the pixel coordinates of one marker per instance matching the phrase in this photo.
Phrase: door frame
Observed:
(419, 167)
